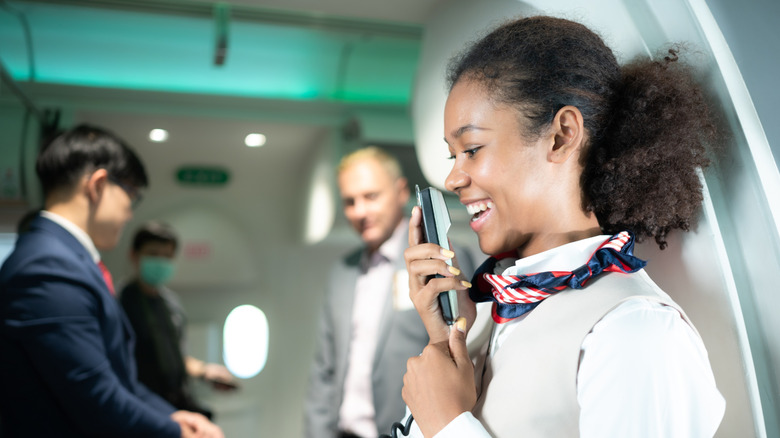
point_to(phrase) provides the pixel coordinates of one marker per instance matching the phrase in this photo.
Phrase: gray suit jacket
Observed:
(402, 335)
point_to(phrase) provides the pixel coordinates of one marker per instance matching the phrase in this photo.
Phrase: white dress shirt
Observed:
(77, 232)
(626, 387)
(356, 414)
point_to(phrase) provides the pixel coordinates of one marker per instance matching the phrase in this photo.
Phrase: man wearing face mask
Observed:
(158, 319)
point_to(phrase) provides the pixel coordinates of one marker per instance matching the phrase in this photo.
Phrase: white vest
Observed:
(529, 387)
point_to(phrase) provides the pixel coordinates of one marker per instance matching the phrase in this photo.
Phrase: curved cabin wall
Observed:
(725, 272)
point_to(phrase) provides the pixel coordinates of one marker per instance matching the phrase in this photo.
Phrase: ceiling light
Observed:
(254, 140)
(158, 135)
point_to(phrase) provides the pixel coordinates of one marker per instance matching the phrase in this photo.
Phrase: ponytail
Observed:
(643, 174)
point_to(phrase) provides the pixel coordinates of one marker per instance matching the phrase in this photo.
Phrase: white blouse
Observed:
(644, 371)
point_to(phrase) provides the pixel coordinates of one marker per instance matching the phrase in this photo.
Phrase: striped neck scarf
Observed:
(515, 295)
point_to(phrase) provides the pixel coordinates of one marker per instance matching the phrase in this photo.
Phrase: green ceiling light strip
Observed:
(341, 72)
(76, 45)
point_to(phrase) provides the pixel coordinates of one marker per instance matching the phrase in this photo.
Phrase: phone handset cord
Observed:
(404, 428)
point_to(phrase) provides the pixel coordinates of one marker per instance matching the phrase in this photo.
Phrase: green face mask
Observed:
(156, 271)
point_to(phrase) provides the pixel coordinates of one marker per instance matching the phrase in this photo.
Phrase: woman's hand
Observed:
(424, 260)
(439, 384)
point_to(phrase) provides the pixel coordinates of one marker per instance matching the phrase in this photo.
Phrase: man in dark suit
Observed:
(67, 365)
(368, 326)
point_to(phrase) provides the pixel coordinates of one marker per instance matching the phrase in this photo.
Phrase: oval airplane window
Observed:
(245, 341)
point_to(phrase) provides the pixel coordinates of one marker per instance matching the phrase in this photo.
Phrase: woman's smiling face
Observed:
(503, 179)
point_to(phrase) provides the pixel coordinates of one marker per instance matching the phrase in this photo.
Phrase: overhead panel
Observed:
(380, 68)
(116, 48)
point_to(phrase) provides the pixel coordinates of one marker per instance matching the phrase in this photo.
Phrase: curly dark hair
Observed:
(648, 123)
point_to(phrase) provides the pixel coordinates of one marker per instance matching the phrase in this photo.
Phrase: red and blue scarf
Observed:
(515, 295)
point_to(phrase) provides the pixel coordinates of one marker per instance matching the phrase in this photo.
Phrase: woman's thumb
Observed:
(457, 342)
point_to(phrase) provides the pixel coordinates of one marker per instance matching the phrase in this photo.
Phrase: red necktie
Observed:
(107, 277)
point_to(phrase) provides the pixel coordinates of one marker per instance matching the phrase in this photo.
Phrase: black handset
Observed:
(436, 221)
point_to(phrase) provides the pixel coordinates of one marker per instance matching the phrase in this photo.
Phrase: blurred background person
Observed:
(368, 326)
(159, 321)
(67, 365)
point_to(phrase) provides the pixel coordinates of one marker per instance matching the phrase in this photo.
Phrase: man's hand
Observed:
(219, 377)
(216, 374)
(194, 425)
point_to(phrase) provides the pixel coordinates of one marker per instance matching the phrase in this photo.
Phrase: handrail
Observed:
(8, 80)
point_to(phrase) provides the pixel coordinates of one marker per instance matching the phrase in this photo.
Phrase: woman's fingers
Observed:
(457, 343)
(424, 261)
(415, 227)
(437, 388)
(423, 268)
(424, 251)
(444, 284)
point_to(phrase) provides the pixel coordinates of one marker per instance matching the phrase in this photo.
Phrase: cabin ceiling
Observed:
(350, 51)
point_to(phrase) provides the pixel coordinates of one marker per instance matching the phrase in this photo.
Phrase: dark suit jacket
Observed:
(66, 362)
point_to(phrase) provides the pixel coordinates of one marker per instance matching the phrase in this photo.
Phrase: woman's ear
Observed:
(568, 133)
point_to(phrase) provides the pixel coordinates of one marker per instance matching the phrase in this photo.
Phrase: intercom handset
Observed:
(436, 223)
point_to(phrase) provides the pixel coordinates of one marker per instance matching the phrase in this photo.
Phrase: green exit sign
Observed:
(204, 176)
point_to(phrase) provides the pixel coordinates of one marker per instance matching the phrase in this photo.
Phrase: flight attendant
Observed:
(565, 159)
